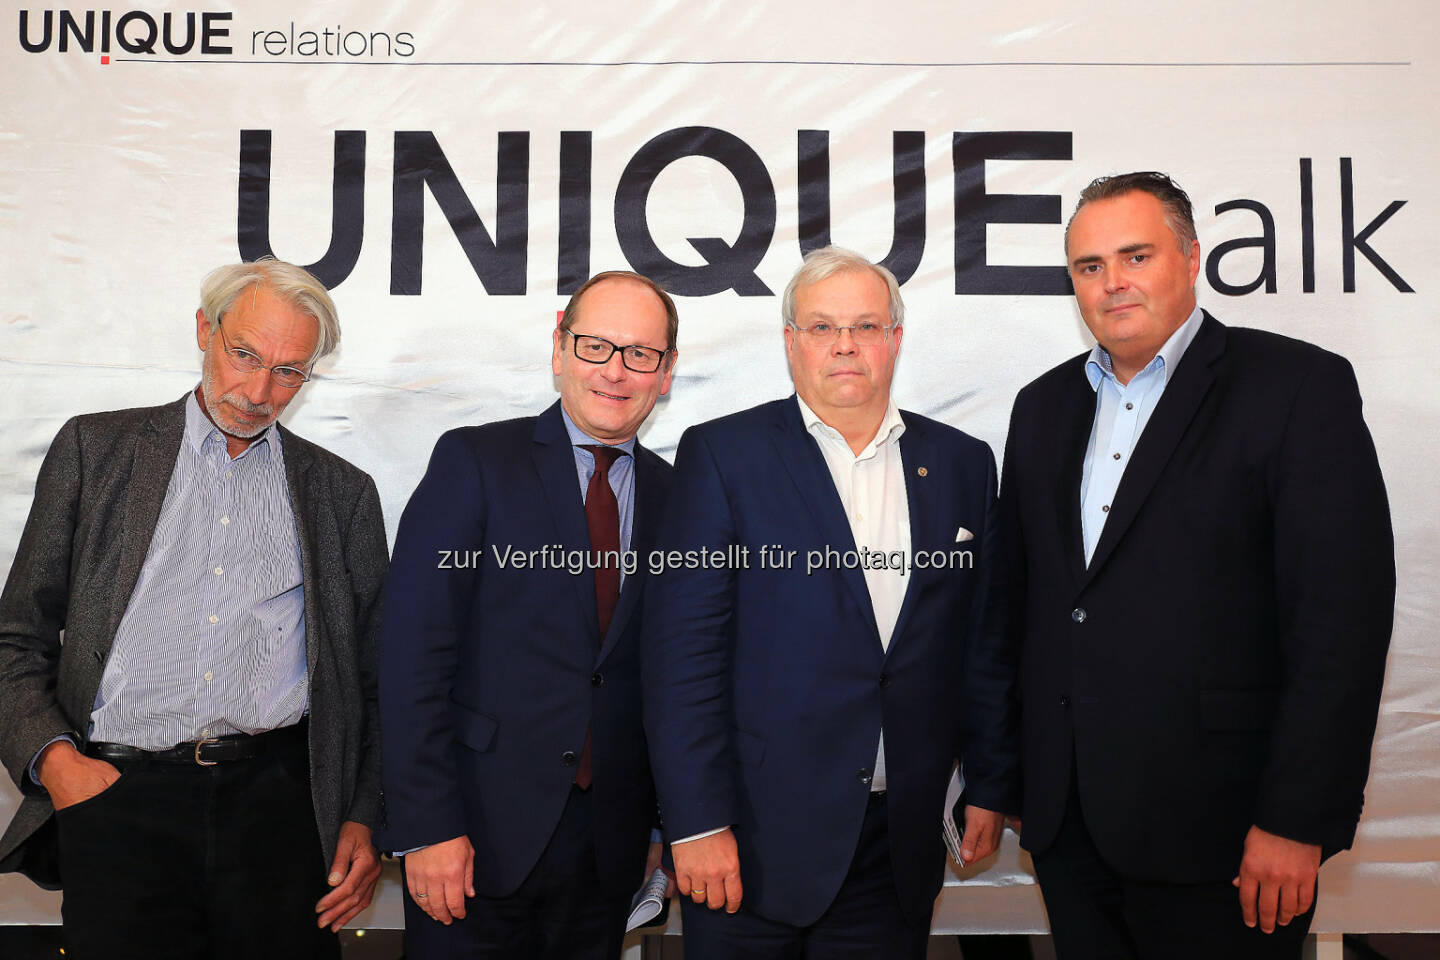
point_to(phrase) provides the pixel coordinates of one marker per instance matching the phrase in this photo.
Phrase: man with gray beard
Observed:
(198, 758)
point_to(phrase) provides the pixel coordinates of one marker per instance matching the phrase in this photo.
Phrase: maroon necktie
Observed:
(602, 516)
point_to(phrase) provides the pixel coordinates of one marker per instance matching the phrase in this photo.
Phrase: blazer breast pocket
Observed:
(472, 729)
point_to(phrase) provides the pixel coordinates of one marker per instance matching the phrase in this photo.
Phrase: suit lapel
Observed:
(1075, 418)
(921, 493)
(1176, 408)
(555, 464)
(153, 461)
(800, 453)
(297, 466)
(643, 529)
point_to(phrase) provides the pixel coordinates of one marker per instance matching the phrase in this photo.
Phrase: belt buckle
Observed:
(198, 745)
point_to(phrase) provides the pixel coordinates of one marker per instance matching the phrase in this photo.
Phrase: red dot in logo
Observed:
(104, 61)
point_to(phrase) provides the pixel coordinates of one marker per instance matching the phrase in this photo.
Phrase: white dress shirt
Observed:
(871, 485)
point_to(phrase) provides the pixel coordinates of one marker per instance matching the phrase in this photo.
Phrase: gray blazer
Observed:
(97, 501)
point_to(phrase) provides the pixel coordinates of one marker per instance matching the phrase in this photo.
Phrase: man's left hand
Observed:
(1277, 879)
(352, 875)
(982, 834)
(652, 860)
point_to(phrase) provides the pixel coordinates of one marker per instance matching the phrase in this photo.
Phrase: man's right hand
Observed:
(70, 777)
(440, 877)
(708, 870)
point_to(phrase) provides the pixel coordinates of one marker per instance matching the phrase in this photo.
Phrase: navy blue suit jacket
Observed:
(765, 689)
(491, 674)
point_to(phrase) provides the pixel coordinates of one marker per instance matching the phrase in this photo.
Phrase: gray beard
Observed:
(245, 431)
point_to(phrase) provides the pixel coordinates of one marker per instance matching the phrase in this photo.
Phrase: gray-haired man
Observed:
(199, 757)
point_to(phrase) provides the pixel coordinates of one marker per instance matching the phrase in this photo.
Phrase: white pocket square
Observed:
(963, 534)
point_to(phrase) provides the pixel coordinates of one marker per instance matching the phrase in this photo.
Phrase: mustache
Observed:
(260, 409)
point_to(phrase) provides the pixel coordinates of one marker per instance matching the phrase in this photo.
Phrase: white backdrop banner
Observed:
(453, 170)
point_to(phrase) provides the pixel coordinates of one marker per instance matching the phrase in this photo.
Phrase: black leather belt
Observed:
(204, 753)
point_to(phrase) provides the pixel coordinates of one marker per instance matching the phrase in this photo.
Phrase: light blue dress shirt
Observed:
(1121, 412)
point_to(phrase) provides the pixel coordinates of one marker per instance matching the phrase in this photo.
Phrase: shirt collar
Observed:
(1098, 366)
(891, 427)
(579, 438)
(199, 429)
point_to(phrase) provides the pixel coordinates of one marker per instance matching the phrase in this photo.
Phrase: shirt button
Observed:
(1105, 509)
(1115, 455)
(224, 520)
(214, 619)
(1078, 614)
(859, 517)
(219, 571)
(209, 676)
(1129, 406)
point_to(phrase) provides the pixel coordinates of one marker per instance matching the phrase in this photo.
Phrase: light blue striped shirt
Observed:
(213, 639)
(1121, 412)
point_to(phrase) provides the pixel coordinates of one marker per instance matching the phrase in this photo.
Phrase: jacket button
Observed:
(884, 680)
(1078, 614)
(864, 776)
(568, 758)
(1064, 701)
(597, 680)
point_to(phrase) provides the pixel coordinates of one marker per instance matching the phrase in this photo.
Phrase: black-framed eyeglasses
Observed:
(866, 333)
(244, 361)
(637, 359)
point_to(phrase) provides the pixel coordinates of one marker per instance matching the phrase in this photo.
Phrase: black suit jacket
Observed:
(491, 672)
(1219, 662)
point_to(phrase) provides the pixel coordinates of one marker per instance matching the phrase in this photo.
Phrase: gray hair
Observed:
(824, 263)
(295, 285)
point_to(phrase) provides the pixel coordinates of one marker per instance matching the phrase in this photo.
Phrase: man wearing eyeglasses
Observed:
(199, 757)
(517, 781)
(806, 704)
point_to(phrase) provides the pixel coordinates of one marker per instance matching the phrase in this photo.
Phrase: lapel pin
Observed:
(923, 472)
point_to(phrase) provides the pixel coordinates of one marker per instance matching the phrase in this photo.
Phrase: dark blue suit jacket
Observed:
(490, 674)
(765, 689)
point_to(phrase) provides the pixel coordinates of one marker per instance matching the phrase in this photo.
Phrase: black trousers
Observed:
(559, 912)
(1098, 914)
(864, 922)
(186, 862)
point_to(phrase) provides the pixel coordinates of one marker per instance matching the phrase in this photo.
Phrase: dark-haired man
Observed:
(516, 776)
(1201, 571)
